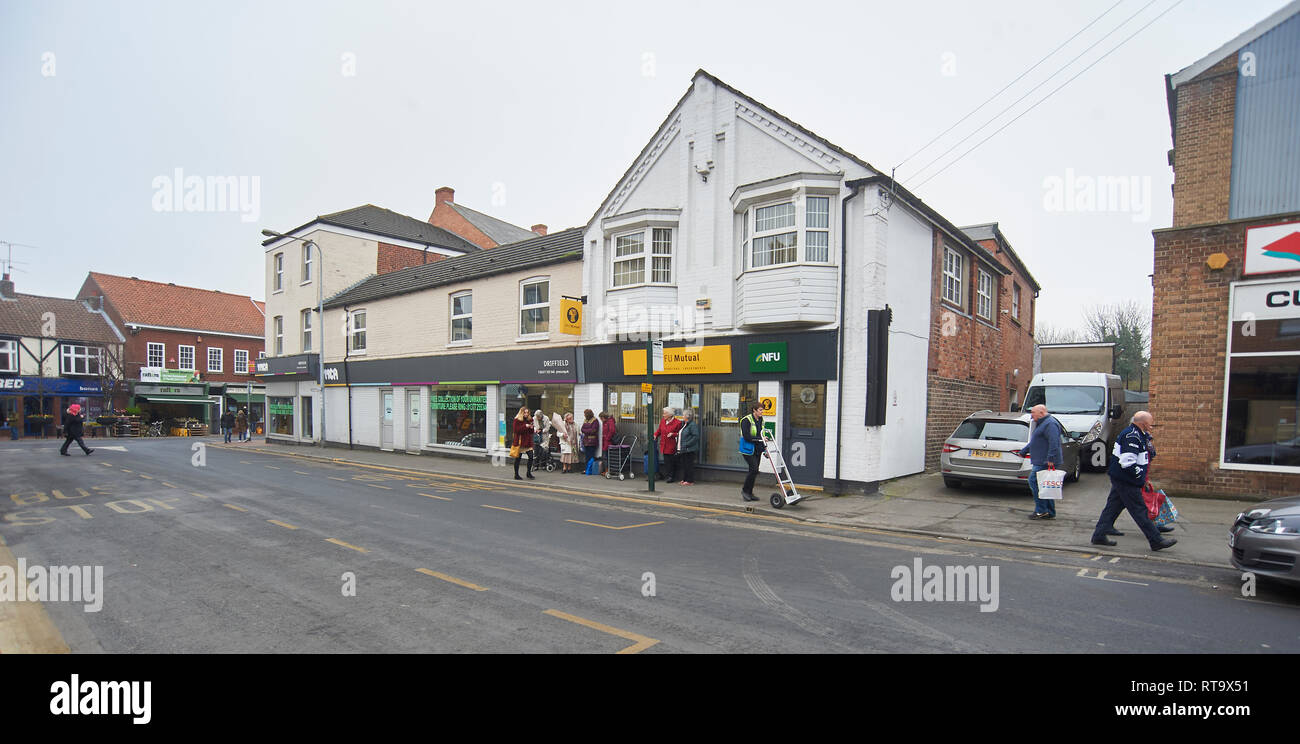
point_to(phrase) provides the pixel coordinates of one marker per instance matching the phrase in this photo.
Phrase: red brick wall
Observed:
(1203, 145)
(394, 257)
(449, 219)
(137, 352)
(1017, 333)
(1188, 353)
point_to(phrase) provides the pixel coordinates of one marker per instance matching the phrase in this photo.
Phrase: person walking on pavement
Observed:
(569, 444)
(1044, 452)
(523, 440)
(73, 430)
(1129, 463)
(252, 422)
(227, 423)
(751, 428)
(666, 435)
(590, 437)
(688, 446)
(1151, 456)
(241, 424)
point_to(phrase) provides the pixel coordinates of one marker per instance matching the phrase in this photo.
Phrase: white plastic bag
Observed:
(1051, 484)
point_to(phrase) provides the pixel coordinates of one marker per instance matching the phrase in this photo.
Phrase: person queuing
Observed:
(540, 425)
(666, 436)
(590, 437)
(241, 424)
(688, 446)
(227, 424)
(607, 426)
(523, 441)
(73, 430)
(569, 444)
(1129, 463)
(751, 428)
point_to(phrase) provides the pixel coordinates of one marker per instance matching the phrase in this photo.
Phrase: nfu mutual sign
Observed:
(770, 357)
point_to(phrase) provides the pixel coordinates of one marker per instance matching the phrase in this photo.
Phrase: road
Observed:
(244, 552)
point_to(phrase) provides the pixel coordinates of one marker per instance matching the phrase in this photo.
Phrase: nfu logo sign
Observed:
(1272, 248)
(768, 357)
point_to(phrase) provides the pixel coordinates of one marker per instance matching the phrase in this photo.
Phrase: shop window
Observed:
(81, 360)
(280, 410)
(306, 416)
(156, 355)
(459, 415)
(550, 399)
(1263, 403)
(722, 407)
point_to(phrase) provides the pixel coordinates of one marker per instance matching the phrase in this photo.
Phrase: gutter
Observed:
(839, 341)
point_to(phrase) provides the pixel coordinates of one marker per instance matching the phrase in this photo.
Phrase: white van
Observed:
(1088, 404)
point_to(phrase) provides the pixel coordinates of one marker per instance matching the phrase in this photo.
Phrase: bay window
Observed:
(771, 233)
(634, 252)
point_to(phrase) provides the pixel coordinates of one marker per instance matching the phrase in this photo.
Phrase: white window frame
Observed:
(149, 356)
(1015, 301)
(305, 321)
(277, 332)
(277, 265)
(221, 358)
(801, 229)
(354, 331)
(984, 306)
(306, 263)
(261, 354)
(952, 288)
(651, 241)
(180, 358)
(454, 316)
(70, 354)
(9, 348)
(239, 371)
(524, 308)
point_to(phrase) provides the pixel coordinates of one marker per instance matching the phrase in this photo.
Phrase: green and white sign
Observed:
(159, 374)
(458, 402)
(770, 357)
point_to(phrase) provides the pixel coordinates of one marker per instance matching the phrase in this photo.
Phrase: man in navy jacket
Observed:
(1044, 452)
(1128, 473)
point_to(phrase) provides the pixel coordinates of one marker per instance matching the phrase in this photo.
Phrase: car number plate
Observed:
(990, 455)
(1232, 539)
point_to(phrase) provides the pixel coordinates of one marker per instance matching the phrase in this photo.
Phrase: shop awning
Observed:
(174, 399)
(242, 397)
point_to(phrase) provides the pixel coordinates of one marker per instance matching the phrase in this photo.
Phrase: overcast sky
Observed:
(531, 111)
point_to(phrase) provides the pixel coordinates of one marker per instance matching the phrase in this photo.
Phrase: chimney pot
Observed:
(445, 194)
(540, 229)
(7, 288)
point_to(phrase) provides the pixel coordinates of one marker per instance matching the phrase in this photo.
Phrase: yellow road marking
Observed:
(245, 462)
(165, 483)
(84, 493)
(440, 498)
(640, 644)
(149, 477)
(273, 467)
(338, 479)
(337, 541)
(192, 493)
(236, 508)
(628, 527)
(299, 472)
(502, 508)
(105, 464)
(278, 523)
(372, 485)
(124, 470)
(452, 579)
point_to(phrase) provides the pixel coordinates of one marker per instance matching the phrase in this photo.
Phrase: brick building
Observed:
(1225, 351)
(189, 352)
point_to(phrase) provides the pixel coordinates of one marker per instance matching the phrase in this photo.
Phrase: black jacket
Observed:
(72, 425)
(228, 420)
(751, 431)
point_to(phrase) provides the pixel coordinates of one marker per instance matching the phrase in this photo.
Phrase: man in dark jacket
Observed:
(227, 423)
(1128, 473)
(751, 428)
(1044, 452)
(73, 430)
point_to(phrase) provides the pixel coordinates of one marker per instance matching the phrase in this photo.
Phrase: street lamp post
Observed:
(319, 331)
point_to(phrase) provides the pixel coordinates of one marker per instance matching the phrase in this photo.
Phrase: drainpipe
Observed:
(347, 376)
(839, 380)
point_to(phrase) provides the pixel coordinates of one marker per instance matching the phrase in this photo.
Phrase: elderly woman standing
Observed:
(590, 436)
(569, 447)
(688, 446)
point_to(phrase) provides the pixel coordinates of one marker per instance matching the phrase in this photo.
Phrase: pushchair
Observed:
(544, 451)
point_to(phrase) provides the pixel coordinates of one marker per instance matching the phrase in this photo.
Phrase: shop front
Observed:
(286, 402)
(34, 406)
(450, 404)
(185, 406)
(721, 378)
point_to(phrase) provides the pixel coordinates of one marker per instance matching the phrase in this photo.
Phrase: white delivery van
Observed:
(1088, 404)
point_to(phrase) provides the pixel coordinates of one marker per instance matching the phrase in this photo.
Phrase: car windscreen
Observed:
(993, 431)
(1067, 400)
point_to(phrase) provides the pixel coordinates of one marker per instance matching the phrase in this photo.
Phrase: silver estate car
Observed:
(991, 447)
(1265, 539)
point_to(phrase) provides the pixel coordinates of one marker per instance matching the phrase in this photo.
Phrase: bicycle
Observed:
(155, 429)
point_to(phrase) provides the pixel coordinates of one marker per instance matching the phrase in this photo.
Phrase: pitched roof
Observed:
(139, 301)
(558, 247)
(1239, 41)
(991, 231)
(386, 223)
(500, 231)
(24, 316)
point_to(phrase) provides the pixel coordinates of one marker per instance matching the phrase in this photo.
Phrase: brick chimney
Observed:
(539, 229)
(7, 288)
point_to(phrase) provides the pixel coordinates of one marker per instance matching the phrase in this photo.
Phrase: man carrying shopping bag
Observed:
(1044, 452)
(1129, 463)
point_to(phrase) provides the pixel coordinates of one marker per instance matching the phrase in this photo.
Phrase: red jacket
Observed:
(667, 435)
(608, 435)
(523, 434)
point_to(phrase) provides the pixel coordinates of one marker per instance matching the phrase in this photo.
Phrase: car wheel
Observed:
(1073, 476)
(951, 482)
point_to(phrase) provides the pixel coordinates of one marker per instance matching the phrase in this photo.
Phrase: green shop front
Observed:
(176, 397)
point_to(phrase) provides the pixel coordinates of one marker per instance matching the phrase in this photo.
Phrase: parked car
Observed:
(1265, 539)
(1286, 452)
(992, 447)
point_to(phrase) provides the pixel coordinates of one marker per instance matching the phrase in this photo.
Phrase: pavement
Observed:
(919, 505)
